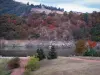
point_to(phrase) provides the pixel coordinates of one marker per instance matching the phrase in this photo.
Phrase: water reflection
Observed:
(63, 49)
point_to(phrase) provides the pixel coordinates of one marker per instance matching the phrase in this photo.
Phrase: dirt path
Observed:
(21, 69)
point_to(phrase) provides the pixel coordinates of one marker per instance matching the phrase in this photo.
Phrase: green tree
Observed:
(27, 3)
(86, 17)
(95, 33)
(65, 13)
(40, 54)
(52, 53)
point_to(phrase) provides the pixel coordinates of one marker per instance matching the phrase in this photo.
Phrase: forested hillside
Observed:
(12, 7)
(42, 26)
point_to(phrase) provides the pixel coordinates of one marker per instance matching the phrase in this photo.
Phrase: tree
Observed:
(27, 3)
(95, 33)
(80, 33)
(86, 18)
(80, 47)
(65, 13)
(52, 53)
(70, 14)
(91, 51)
(40, 54)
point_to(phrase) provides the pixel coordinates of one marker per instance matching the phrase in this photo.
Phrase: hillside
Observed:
(12, 7)
(42, 26)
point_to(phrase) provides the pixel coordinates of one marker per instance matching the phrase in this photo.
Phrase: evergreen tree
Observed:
(40, 54)
(52, 53)
(86, 18)
(95, 33)
(27, 3)
(65, 13)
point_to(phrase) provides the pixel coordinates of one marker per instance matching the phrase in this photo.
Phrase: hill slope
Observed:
(12, 7)
(52, 26)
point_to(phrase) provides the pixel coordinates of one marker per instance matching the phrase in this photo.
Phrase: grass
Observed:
(3, 67)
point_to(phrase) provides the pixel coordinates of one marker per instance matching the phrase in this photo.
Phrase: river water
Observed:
(12, 50)
(62, 49)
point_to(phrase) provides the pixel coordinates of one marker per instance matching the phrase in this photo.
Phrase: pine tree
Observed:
(95, 33)
(40, 54)
(52, 53)
(27, 3)
(86, 17)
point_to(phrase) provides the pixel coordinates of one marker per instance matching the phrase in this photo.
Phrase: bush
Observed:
(80, 47)
(33, 64)
(52, 53)
(91, 52)
(40, 54)
(14, 63)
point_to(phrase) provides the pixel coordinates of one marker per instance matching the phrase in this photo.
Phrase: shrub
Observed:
(91, 52)
(40, 54)
(52, 53)
(14, 63)
(33, 64)
(80, 47)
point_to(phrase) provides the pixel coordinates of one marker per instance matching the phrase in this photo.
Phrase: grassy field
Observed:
(62, 66)
(68, 66)
(3, 67)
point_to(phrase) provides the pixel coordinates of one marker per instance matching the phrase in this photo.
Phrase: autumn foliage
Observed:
(80, 47)
(51, 26)
(92, 44)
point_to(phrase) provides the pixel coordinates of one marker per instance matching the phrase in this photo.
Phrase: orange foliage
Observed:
(92, 43)
(80, 46)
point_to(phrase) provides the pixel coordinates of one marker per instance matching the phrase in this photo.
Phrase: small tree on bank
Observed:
(52, 53)
(40, 54)
(80, 47)
(91, 51)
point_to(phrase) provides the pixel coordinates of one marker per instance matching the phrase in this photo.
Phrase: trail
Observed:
(21, 69)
